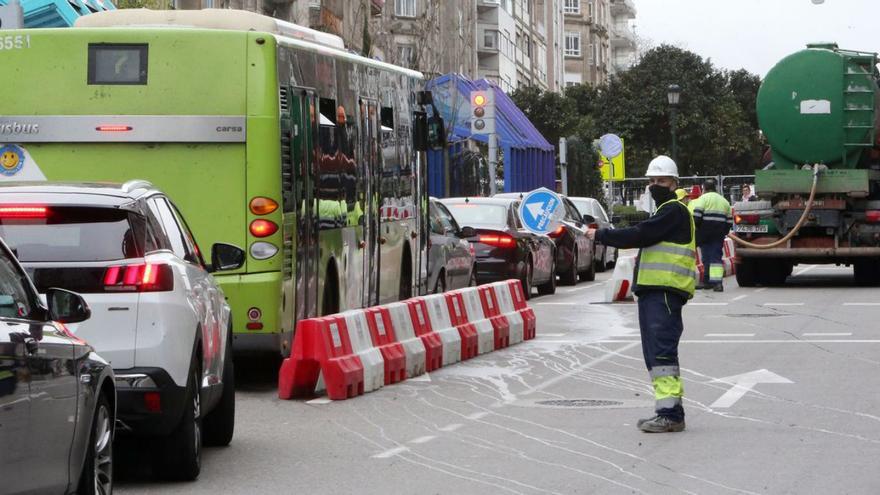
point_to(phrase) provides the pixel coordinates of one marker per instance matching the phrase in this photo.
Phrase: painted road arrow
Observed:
(744, 383)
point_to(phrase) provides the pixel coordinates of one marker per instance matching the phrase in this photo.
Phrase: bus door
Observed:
(370, 168)
(303, 113)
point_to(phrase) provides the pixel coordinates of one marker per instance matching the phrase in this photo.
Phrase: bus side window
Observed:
(390, 160)
(330, 167)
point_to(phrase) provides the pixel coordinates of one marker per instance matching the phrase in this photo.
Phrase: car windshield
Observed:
(38, 234)
(479, 215)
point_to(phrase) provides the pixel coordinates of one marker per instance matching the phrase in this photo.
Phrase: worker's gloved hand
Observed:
(591, 234)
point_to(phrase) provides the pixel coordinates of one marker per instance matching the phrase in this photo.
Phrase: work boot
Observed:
(645, 420)
(702, 286)
(661, 424)
(718, 288)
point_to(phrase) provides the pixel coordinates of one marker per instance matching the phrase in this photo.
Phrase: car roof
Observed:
(479, 200)
(85, 193)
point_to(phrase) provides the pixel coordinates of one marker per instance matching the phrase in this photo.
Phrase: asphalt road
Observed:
(781, 397)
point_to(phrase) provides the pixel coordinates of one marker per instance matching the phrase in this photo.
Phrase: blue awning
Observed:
(58, 13)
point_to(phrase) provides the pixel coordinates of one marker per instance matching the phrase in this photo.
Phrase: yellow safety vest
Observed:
(669, 264)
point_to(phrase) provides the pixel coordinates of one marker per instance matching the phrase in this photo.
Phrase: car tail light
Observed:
(747, 219)
(498, 240)
(872, 216)
(559, 232)
(593, 226)
(153, 401)
(263, 228)
(146, 277)
(23, 212)
(263, 206)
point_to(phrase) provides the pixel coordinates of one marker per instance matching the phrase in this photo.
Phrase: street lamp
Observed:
(673, 93)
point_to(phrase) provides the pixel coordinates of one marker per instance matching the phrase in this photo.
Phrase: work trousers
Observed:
(713, 269)
(661, 327)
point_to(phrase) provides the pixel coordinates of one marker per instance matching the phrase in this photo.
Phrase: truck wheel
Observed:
(773, 273)
(181, 459)
(220, 423)
(867, 273)
(745, 273)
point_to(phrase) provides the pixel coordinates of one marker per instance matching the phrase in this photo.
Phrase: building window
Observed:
(572, 6)
(595, 49)
(590, 8)
(490, 39)
(405, 8)
(572, 44)
(406, 55)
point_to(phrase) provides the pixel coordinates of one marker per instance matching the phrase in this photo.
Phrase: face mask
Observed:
(661, 194)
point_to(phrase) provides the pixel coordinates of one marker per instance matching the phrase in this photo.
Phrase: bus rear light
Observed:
(263, 206)
(263, 228)
(23, 212)
(747, 219)
(263, 250)
(254, 325)
(872, 216)
(147, 277)
(498, 240)
(113, 128)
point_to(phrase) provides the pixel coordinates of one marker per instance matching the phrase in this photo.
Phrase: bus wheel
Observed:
(405, 278)
(330, 304)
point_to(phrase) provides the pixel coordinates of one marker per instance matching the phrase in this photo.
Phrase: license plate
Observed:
(751, 229)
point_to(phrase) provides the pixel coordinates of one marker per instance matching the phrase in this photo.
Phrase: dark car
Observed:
(57, 397)
(503, 248)
(605, 256)
(450, 255)
(574, 250)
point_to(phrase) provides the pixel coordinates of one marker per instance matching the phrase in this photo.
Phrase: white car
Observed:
(158, 316)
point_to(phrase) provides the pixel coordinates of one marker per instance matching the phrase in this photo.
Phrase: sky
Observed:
(755, 34)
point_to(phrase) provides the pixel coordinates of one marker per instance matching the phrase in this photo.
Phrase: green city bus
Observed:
(266, 135)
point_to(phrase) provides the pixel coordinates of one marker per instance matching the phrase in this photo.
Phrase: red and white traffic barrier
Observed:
(362, 350)
(619, 288)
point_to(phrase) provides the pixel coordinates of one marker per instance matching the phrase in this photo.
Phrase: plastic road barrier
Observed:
(619, 287)
(363, 350)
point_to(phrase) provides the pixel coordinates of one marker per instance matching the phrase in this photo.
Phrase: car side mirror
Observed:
(226, 257)
(615, 219)
(66, 306)
(588, 219)
(467, 232)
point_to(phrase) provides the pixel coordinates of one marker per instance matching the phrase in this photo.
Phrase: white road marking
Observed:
(320, 400)
(744, 383)
(552, 335)
(548, 303)
(729, 335)
(828, 334)
(861, 304)
(424, 439)
(783, 304)
(739, 298)
(425, 377)
(707, 304)
(391, 452)
(477, 415)
(762, 289)
(452, 427)
(590, 286)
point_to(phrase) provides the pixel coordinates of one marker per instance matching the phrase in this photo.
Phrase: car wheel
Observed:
(613, 262)
(219, 424)
(571, 276)
(182, 456)
(549, 287)
(589, 274)
(526, 281)
(473, 281)
(97, 474)
(601, 265)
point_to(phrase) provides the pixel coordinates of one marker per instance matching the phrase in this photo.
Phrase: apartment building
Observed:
(434, 37)
(599, 40)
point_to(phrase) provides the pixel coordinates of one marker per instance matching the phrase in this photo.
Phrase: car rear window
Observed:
(81, 234)
(479, 215)
(584, 207)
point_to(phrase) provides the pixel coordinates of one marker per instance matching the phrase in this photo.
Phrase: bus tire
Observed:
(405, 291)
(330, 300)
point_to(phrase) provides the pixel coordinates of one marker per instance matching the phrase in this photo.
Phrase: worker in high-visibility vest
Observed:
(664, 282)
(713, 219)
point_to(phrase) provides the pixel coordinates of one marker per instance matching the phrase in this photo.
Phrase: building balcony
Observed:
(622, 36)
(484, 5)
(623, 8)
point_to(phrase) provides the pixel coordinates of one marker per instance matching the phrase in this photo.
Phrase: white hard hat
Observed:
(662, 166)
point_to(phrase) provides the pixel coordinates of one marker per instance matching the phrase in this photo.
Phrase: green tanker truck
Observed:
(819, 199)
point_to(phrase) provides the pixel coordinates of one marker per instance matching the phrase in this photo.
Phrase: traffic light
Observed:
(482, 112)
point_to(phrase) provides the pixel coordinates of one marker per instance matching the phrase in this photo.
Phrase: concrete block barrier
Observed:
(362, 350)
(619, 288)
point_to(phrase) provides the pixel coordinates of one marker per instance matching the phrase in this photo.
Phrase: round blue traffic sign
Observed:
(540, 211)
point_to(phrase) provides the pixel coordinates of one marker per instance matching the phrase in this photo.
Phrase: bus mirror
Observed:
(420, 131)
(436, 133)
